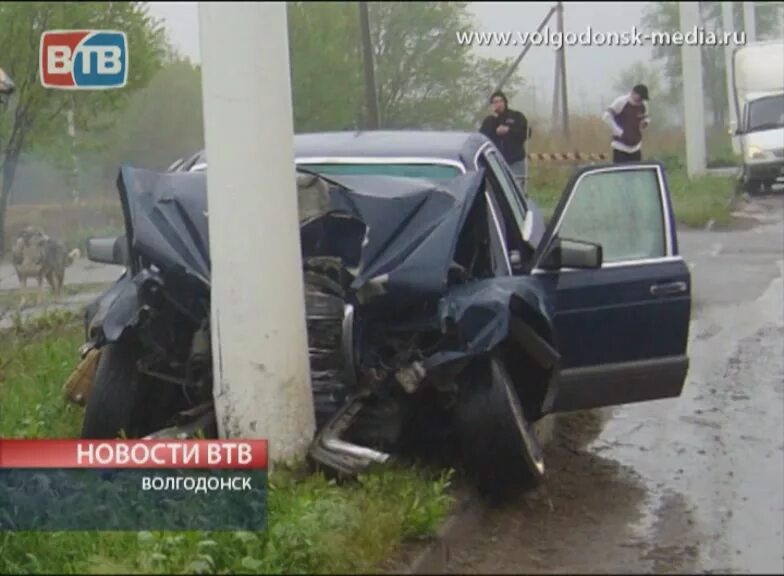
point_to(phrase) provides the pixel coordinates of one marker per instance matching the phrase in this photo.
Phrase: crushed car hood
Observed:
(411, 225)
(166, 219)
(395, 236)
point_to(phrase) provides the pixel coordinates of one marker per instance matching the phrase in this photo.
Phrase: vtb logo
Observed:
(84, 59)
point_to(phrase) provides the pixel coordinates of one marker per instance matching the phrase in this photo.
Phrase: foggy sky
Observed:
(591, 70)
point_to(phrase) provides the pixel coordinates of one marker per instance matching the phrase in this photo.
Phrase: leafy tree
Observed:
(665, 17)
(35, 117)
(327, 89)
(424, 78)
(160, 122)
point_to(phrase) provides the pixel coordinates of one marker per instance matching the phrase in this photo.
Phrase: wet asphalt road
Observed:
(81, 272)
(692, 484)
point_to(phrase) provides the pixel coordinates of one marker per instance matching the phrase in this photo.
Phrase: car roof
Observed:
(423, 144)
(450, 145)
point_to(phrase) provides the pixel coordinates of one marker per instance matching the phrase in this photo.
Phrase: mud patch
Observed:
(583, 510)
(709, 332)
(675, 547)
(577, 430)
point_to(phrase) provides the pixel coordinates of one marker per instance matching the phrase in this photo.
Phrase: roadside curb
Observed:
(453, 534)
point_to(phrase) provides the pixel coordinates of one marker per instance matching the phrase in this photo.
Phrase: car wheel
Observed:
(110, 408)
(122, 401)
(500, 447)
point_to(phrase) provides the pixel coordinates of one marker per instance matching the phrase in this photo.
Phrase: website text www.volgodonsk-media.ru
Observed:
(697, 36)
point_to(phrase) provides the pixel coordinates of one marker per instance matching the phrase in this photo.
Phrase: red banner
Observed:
(168, 453)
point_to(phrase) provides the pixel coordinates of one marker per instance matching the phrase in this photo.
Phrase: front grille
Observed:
(779, 153)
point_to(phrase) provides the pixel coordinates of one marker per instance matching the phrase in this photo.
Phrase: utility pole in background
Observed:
(749, 22)
(562, 70)
(560, 101)
(74, 159)
(556, 114)
(693, 105)
(728, 25)
(524, 51)
(781, 19)
(260, 358)
(508, 74)
(372, 122)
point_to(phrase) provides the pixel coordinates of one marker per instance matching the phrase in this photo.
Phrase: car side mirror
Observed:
(564, 253)
(738, 132)
(112, 251)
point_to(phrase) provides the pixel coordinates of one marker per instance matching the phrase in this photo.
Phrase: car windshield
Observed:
(767, 113)
(429, 171)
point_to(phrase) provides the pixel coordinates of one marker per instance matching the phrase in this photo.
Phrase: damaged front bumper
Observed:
(328, 449)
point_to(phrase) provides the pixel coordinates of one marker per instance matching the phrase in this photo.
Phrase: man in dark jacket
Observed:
(508, 129)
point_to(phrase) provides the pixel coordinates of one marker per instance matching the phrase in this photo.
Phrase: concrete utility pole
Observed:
(259, 338)
(728, 25)
(556, 114)
(562, 70)
(508, 74)
(525, 50)
(749, 22)
(74, 158)
(781, 19)
(372, 121)
(693, 107)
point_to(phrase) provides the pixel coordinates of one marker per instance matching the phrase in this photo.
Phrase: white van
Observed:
(758, 81)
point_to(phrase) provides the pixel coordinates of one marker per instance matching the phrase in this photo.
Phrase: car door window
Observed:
(508, 189)
(498, 246)
(622, 211)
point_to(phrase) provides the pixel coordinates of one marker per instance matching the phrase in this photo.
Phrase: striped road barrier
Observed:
(566, 157)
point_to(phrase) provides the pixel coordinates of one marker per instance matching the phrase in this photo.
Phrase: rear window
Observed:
(429, 171)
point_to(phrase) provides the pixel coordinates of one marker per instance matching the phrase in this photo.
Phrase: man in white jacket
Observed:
(627, 116)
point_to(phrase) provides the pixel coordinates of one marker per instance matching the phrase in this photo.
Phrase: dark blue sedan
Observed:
(438, 279)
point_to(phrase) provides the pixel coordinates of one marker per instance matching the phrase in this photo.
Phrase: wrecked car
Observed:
(427, 300)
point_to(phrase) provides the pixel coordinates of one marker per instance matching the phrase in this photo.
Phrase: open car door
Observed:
(620, 293)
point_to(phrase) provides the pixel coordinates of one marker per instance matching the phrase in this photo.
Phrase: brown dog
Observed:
(36, 255)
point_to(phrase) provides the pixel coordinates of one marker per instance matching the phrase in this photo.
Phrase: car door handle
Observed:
(668, 288)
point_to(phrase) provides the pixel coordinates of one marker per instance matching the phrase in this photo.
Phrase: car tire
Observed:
(112, 407)
(123, 401)
(500, 448)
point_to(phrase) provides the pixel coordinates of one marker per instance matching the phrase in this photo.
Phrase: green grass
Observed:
(695, 202)
(316, 525)
(719, 150)
(699, 201)
(35, 360)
